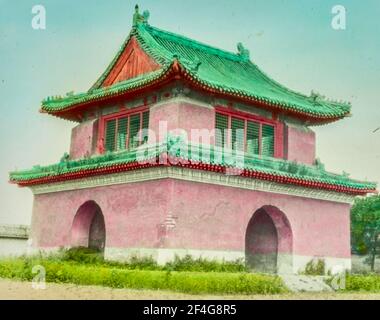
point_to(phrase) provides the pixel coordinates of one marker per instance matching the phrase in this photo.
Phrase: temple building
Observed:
(183, 149)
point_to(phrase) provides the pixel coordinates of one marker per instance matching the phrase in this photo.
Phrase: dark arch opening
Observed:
(88, 229)
(269, 242)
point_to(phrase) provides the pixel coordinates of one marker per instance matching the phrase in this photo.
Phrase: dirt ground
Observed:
(14, 290)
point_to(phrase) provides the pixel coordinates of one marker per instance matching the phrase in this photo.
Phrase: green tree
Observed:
(365, 228)
(372, 241)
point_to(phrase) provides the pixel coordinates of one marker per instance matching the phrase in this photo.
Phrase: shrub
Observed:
(88, 256)
(82, 255)
(188, 263)
(16, 269)
(315, 268)
(139, 263)
(187, 282)
(363, 283)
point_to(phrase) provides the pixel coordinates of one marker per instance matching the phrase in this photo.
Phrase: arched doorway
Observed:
(269, 242)
(88, 229)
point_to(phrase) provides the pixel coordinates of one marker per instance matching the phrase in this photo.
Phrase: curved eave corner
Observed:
(65, 108)
(270, 104)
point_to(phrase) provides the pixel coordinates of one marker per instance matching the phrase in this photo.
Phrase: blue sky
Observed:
(292, 41)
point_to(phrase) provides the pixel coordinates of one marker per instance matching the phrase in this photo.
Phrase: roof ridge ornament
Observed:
(316, 96)
(140, 18)
(243, 52)
(196, 63)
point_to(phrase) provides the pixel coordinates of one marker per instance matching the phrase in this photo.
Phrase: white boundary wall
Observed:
(13, 240)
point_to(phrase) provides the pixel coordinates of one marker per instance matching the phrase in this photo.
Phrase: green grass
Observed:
(367, 283)
(187, 275)
(119, 276)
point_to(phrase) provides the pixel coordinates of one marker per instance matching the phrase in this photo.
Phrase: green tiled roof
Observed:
(197, 154)
(53, 105)
(218, 70)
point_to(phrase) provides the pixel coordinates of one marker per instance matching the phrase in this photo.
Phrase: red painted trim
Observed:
(116, 116)
(229, 133)
(124, 113)
(101, 132)
(116, 131)
(128, 131)
(278, 127)
(245, 134)
(141, 126)
(244, 115)
(261, 138)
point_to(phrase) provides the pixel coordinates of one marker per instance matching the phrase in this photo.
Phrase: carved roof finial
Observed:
(316, 97)
(140, 18)
(243, 52)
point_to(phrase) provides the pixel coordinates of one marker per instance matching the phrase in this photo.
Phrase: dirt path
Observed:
(10, 290)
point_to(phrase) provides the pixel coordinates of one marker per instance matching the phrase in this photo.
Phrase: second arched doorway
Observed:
(269, 242)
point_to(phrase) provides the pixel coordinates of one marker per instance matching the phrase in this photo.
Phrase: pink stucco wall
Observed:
(176, 117)
(183, 116)
(131, 213)
(84, 139)
(201, 216)
(300, 145)
(208, 217)
(220, 216)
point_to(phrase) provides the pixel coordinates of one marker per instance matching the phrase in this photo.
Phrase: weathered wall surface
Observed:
(132, 213)
(183, 116)
(84, 139)
(181, 215)
(299, 144)
(220, 215)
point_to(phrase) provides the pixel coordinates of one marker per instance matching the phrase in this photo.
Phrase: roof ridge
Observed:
(148, 44)
(194, 43)
(215, 69)
(135, 31)
(234, 57)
